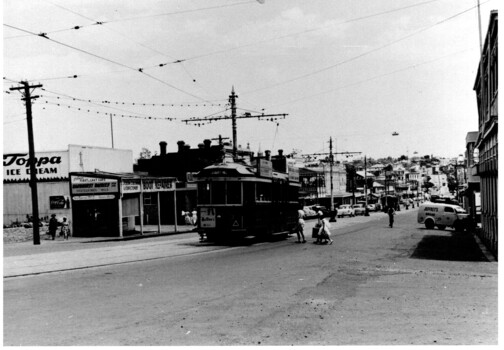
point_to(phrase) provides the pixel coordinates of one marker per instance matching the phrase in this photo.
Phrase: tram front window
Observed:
(204, 193)
(218, 193)
(233, 192)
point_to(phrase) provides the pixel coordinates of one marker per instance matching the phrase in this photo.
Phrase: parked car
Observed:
(345, 210)
(309, 213)
(371, 207)
(321, 208)
(359, 209)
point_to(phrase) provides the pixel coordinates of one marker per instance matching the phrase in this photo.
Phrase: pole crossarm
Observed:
(328, 153)
(226, 117)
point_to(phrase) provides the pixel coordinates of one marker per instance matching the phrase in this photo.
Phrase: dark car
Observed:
(444, 200)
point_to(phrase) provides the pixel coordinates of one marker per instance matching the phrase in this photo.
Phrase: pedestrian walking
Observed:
(194, 217)
(324, 235)
(65, 228)
(300, 227)
(53, 226)
(391, 213)
(187, 218)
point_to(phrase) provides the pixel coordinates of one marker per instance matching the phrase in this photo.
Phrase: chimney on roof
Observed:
(162, 146)
(180, 145)
(207, 143)
(201, 146)
(280, 152)
(268, 154)
(187, 147)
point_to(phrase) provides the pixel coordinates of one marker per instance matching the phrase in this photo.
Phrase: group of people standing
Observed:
(53, 227)
(321, 232)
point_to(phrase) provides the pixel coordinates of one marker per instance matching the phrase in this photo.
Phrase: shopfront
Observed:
(108, 204)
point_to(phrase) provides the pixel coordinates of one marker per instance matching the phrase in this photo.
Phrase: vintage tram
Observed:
(237, 200)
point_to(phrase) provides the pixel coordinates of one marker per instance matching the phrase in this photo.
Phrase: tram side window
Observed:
(233, 192)
(204, 193)
(248, 193)
(219, 192)
(293, 194)
(263, 192)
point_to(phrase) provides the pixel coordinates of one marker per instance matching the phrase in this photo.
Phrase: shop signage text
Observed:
(47, 166)
(293, 174)
(130, 186)
(265, 168)
(90, 185)
(156, 185)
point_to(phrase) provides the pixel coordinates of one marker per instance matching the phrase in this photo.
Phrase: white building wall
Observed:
(17, 203)
(85, 158)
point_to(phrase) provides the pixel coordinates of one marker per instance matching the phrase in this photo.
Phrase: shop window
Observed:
(233, 192)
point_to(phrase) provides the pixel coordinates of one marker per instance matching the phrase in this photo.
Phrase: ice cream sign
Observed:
(48, 165)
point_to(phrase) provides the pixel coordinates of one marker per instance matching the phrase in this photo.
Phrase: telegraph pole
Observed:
(33, 171)
(234, 117)
(232, 101)
(331, 161)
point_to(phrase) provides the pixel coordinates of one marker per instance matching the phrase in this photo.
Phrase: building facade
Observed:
(486, 88)
(53, 185)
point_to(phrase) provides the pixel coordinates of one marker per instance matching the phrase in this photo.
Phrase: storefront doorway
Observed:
(95, 218)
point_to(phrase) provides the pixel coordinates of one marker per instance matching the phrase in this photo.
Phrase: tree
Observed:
(145, 153)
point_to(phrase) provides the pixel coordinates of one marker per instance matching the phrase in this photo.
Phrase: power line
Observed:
(108, 113)
(130, 18)
(361, 55)
(44, 35)
(367, 80)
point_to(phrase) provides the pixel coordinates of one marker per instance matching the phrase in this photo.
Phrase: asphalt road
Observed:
(373, 286)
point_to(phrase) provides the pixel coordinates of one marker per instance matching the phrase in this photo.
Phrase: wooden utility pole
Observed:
(33, 170)
(331, 162)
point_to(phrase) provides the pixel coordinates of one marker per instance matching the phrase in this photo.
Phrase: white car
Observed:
(345, 210)
(309, 213)
(359, 209)
(371, 207)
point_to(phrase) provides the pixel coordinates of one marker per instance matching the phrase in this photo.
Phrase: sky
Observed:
(354, 71)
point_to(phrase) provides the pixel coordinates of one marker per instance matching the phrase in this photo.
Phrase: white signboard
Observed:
(130, 186)
(93, 197)
(157, 185)
(91, 185)
(265, 168)
(293, 174)
(48, 165)
(207, 218)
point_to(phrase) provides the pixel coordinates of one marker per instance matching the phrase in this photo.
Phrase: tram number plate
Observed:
(207, 217)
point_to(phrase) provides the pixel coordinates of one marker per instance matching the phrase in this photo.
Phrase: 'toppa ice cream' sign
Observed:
(48, 165)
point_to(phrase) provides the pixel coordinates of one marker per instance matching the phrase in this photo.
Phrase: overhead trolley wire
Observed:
(361, 55)
(44, 35)
(367, 80)
(131, 18)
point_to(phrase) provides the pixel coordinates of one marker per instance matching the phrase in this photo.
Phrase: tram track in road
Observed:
(84, 258)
